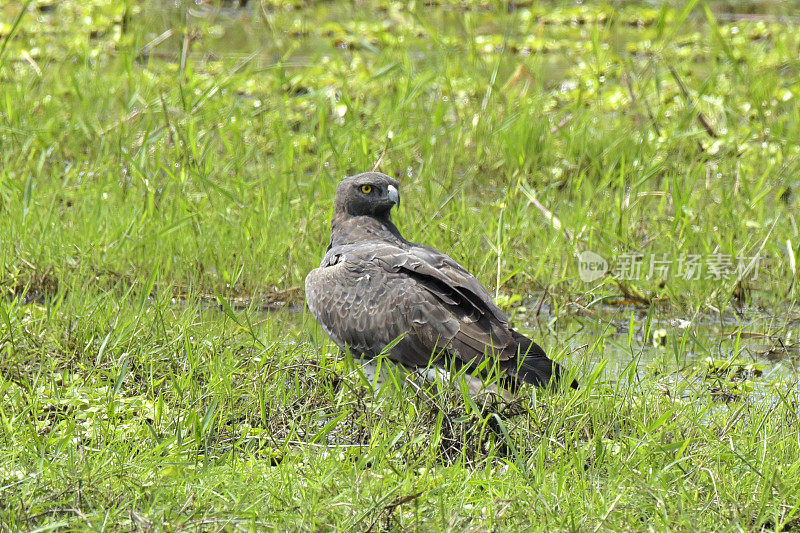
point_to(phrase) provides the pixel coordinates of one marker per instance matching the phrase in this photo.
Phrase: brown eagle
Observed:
(373, 287)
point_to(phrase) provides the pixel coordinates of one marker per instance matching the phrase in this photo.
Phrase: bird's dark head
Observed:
(367, 194)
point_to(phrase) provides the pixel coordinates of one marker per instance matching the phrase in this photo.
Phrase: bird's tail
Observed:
(531, 365)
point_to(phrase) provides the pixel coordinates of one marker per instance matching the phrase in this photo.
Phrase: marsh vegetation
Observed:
(166, 177)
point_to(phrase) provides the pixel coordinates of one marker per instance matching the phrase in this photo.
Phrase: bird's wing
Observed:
(431, 262)
(363, 307)
(365, 296)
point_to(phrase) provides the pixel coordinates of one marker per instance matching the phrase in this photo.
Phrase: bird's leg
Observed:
(476, 387)
(373, 374)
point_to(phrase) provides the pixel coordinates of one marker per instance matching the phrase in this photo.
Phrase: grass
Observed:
(166, 177)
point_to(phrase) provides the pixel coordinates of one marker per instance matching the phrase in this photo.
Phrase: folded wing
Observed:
(367, 295)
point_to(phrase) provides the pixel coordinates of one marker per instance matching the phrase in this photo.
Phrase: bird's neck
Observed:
(348, 229)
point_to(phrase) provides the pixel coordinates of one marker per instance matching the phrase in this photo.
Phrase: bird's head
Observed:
(367, 194)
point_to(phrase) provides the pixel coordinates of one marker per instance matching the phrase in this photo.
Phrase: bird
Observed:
(375, 292)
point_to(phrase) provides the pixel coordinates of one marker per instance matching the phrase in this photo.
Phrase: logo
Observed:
(591, 266)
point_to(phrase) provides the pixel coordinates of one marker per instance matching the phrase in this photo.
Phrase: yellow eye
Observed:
(366, 189)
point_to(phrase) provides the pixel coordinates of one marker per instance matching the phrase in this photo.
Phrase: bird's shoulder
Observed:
(392, 256)
(357, 255)
(427, 266)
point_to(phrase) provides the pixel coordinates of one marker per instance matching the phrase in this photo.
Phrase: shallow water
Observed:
(674, 343)
(269, 35)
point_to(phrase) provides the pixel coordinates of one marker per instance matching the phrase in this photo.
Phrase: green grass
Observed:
(166, 177)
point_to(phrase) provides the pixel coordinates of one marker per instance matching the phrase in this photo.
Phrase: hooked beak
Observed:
(394, 196)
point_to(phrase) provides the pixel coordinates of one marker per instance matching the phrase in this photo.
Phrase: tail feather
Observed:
(531, 365)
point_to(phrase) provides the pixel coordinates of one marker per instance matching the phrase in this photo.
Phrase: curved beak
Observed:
(394, 196)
